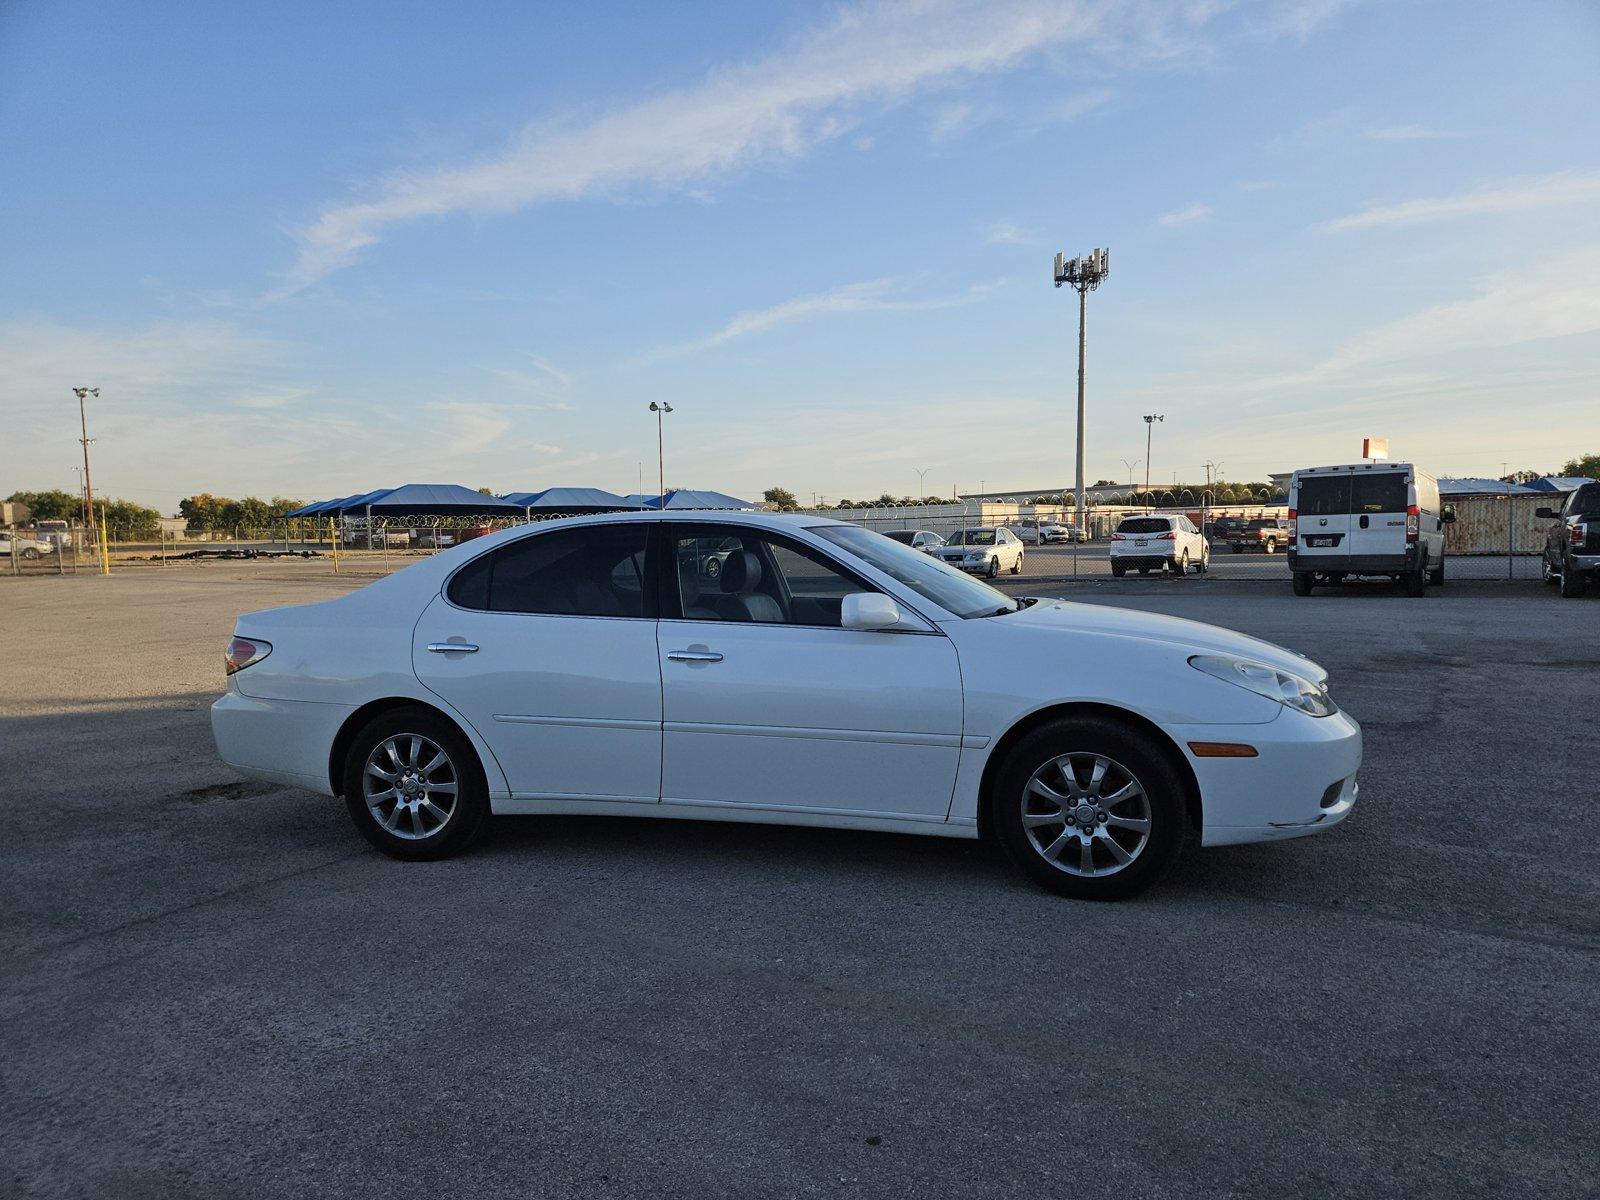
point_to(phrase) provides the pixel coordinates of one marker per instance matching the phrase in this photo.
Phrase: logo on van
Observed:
(1322, 521)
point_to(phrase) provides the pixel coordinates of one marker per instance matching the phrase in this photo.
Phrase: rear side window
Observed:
(1385, 493)
(589, 571)
(1324, 496)
(1144, 525)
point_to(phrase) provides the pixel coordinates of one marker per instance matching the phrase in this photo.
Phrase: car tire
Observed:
(1180, 565)
(1204, 565)
(1118, 570)
(31, 552)
(1272, 546)
(405, 743)
(1148, 828)
(1548, 573)
(1415, 583)
(1436, 576)
(1573, 583)
(1302, 583)
(1016, 568)
(993, 569)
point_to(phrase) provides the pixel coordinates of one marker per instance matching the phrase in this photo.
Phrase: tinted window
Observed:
(747, 576)
(1144, 525)
(903, 536)
(972, 537)
(1324, 496)
(590, 571)
(1385, 493)
(1586, 501)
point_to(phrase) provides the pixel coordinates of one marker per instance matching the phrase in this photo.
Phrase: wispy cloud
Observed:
(1187, 215)
(1511, 196)
(547, 385)
(774, 108)
(1407, 133)
(1004, 233)
(876, 295)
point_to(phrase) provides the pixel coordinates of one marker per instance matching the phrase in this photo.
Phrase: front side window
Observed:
(972, 537)
(587, 571)
(929, 577)
(726, 574)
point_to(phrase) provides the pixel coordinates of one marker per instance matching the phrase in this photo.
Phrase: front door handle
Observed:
(452, 648)
(706, 656)
(1364, 520)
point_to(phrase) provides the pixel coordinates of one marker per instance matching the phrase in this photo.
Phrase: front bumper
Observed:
(976, 566)
(1302, 780)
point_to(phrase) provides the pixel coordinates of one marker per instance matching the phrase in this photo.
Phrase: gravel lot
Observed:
(213, 988)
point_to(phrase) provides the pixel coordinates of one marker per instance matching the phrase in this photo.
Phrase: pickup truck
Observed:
(1268, 534)
(1572, 549)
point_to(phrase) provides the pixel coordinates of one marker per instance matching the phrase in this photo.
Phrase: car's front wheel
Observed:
(1089, 808)
(414, 786)
(993, 568)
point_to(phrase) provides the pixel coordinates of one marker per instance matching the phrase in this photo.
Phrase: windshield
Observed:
(972, 537)
(950, 589)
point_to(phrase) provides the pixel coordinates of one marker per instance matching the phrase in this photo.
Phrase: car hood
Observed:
(1194, 636)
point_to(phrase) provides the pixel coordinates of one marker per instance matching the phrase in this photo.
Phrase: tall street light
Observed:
(1131, 466)
(922, 474)
(88, 485)
(1084, 274)
(1150, 420)
(661, 410)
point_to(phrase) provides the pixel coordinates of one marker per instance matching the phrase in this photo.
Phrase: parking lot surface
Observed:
(215, 988)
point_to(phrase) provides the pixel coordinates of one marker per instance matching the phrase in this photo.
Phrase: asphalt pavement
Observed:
(213, 988)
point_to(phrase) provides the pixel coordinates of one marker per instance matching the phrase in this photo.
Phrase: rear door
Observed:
(1322, 508)
(557, 667)
(1378, 503)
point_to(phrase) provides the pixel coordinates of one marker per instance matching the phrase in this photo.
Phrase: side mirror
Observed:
(1448, 515)
(1546, 512)
(868, 611)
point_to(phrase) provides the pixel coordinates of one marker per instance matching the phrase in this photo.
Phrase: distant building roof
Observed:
(1560, 483)
(1482, 487)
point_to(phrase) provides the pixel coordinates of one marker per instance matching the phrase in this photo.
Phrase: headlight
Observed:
(1286, 689)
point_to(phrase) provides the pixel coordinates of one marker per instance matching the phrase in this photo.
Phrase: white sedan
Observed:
(983, 551)
(784, 670)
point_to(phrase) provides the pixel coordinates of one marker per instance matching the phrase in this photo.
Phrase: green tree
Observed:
(127, 521)
(1587, 465)
(203, 512)
(54, 505)
(781, 499)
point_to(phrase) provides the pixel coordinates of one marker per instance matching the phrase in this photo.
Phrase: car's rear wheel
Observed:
(1180, 565)
(414, 786)
(1089, 808)
(1547, 573)
(1302, 583)
(1118, 570)
(1272, 546)
(1436, 576)
(1415, 583)
(1016, 567)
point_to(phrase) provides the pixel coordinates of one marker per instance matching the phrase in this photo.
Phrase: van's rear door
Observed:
(1322, 508)
(1378, 503)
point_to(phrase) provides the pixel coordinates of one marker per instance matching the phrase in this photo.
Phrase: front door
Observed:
(557, 669)
(769, 703)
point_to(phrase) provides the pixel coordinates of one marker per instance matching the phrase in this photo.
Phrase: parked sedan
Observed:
(983, 551)
(918, 539)
(24, 546)
(826, 675)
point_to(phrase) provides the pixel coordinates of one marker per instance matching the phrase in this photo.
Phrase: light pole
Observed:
(1131, 466)
(922, 474)
(660, 411)
(88, 484)
(1150, 420)
(1084, 274)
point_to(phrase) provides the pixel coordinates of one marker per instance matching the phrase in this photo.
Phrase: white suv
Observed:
(1152, 543)
(983, 551)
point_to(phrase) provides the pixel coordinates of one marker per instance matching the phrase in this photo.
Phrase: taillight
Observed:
(243, 652)
(1579, 532)
(1167, 537)
(1413, 522)
(1294, 525)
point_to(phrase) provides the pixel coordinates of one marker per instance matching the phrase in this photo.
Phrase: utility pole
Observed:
(922, 474)
(661, 410)
(1150, 420)
(88, 483)
(1084, 274)
(1131, 466)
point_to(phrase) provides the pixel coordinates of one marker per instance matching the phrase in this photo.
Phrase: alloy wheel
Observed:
(1086, 814)
(410, 786)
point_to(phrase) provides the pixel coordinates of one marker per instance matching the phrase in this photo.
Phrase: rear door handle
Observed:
(706, 656)
(452, 648)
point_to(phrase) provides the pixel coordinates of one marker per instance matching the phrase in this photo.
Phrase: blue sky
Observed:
(309, 251)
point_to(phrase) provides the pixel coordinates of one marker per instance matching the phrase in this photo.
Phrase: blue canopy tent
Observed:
(434, 500)
(690, 499)
(1560, 483)
(569, 500)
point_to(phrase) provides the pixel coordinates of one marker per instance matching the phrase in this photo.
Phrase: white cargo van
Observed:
(1366, 519)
